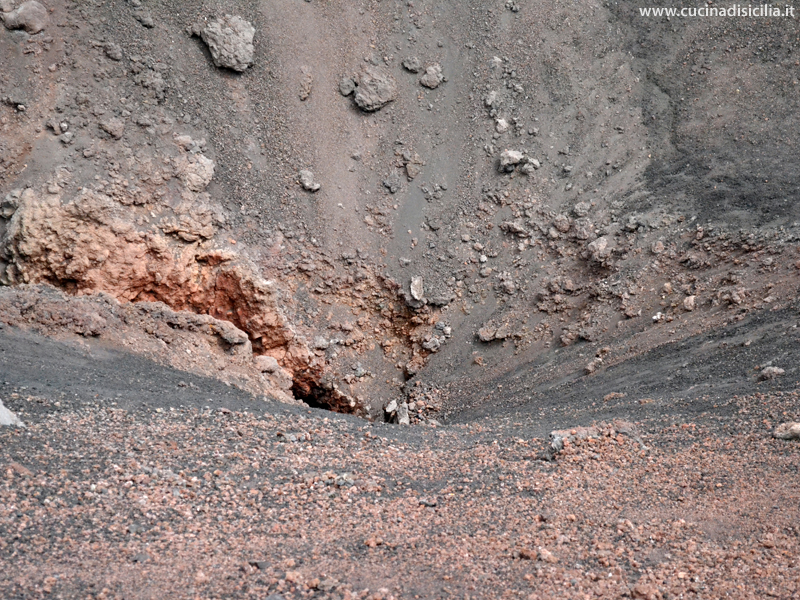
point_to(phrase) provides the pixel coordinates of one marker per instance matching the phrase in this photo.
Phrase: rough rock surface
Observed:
(433, 76)
(205, 165)
(787, 431)
(376, 88)
(306, 179)
(8, 418)
(30, 16)
(230, 41)
(88, 244)
(192, 342)
(412, 64)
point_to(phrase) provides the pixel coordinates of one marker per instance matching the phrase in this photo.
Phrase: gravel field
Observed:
(101, 502)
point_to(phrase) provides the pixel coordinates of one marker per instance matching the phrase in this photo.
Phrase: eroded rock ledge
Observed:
(90, 244)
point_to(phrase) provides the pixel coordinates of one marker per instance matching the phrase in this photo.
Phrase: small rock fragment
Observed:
(113, 127)
(412, 64)
(306, 83)
(8, 418)
(770, 373)
(347, 86)
(144, 17)
(391, 408)
(113, 51)
(689, 303)
(403, 417)
(306, 179)
(201, 578)
(581, 209)
(417, 291)
(432, 344)
(528, 554)
(487, 333)
(784, 431)
(645, 591)
(509, 159)
(392, 184)
(197, 172)
(599, 250)
(267, 364)
(562, 223)
(412, 170)
(546, 556)
(433, 76)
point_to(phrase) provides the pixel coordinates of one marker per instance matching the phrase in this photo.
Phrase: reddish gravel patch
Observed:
(106, 503)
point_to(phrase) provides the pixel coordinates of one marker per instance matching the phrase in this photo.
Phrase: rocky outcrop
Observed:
(197, 343)
(89, 244)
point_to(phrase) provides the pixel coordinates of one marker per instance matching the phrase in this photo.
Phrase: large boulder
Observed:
(376, 88)
(230, 41)
(30, 16)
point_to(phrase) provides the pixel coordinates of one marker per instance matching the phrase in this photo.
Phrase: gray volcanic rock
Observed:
(346, 86)
(30, 16)
(376, 88)
(412, 64)
(230, 41)
(306, 179)
(433, 76)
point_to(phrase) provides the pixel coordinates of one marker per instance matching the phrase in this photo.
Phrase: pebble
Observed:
(417, 288)
(509, 159)
(433, 76)
(306, 179)
(113, 51)
(347, 86)
(267, 364)
(114, 127)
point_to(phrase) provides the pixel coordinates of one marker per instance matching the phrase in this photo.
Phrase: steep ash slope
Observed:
(547, 175)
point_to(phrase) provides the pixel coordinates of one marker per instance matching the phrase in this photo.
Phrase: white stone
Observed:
(8, 418)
